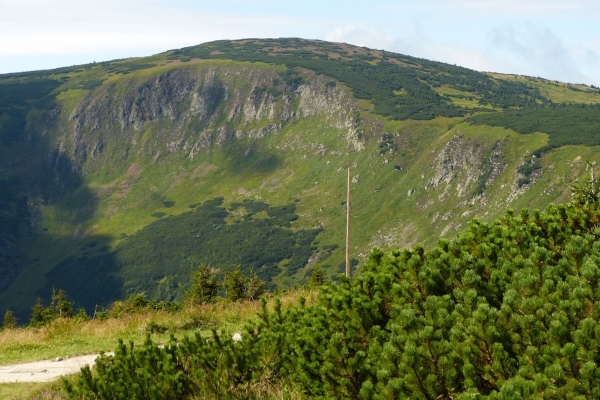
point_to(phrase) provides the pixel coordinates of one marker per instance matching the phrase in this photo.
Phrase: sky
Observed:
(557, 40)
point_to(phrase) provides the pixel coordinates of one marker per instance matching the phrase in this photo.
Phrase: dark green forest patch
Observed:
(565, 124)
(159, 259)
(12, 125)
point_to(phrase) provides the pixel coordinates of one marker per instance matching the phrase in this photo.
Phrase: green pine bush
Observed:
(507, 310)
(149, 372)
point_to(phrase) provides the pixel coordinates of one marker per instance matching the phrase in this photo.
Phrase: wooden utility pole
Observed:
(348, 227)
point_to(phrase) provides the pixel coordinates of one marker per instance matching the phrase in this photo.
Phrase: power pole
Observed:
(348, 227)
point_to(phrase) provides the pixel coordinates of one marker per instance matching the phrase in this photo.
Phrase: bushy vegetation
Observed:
(59, 307)
(159, 259)
(377, 77)
(120, 377)
(565, 124)
(12, 128)
(508, 309)
(204, 286)
(9, 321)
(204, 289)
(137, 303)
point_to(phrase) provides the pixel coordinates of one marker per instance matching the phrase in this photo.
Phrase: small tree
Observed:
(10, 321)
(135, 303)
(255, 287)
(204, 285)
(39, 316)
(59, 306)
(318, 277)
(235, 285)
(588, 191)
(239, 287)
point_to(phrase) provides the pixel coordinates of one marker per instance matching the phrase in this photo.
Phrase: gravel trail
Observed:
(44, 371)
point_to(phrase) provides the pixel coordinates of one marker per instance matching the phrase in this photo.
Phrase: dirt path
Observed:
(44, 371)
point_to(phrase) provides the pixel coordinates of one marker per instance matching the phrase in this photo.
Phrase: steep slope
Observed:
(122, 177)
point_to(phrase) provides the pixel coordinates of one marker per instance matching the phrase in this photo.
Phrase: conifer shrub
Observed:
(9, 321)
(318, 277)
(586, 192)
(138, 302)
(59, 307)
(509, 309)
(149, 372)
(240, 287)
(565, 124)
(204, 285)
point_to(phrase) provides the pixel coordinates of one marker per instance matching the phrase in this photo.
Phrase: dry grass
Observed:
(38, 391)
(71, 337)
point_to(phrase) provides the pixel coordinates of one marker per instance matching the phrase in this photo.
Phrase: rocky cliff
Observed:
(191, 110)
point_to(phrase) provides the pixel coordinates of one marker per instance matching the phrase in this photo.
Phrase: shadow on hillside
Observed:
(89, 276)
(252, 158)
(36, 173)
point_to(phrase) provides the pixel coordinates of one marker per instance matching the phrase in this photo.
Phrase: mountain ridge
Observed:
(119, 146)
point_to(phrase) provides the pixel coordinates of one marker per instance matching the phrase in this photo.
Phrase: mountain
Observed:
(122, 177)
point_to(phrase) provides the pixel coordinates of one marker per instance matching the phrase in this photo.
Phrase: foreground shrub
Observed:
(508, 309)
(146, 373)
(218, 367)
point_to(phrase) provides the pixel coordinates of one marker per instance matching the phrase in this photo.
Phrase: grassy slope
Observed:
(24, 391)
(382, 208)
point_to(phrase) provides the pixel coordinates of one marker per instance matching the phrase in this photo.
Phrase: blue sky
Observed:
(552, 39)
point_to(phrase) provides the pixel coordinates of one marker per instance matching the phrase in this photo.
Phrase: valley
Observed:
(122, 177)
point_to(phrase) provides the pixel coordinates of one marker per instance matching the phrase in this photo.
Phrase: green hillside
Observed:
(123, 176)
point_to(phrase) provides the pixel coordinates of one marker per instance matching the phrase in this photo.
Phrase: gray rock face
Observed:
(461, 166)
(190, 110)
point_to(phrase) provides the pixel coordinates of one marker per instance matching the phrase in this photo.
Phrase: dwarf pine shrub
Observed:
(508, 309)
(149, 372)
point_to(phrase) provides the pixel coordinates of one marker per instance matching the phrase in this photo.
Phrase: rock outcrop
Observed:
(190, 110)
